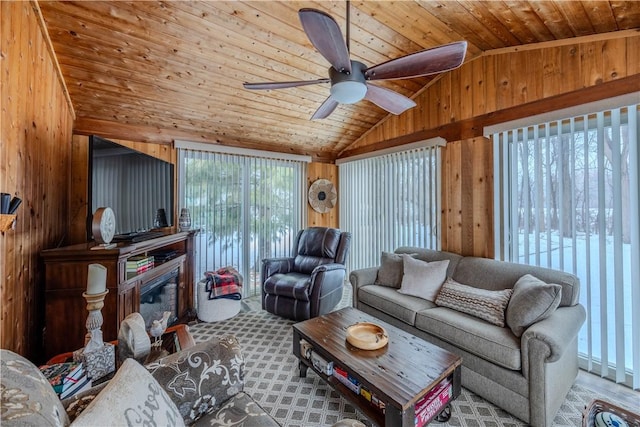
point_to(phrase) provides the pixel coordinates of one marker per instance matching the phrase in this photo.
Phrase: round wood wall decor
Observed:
(322, 195)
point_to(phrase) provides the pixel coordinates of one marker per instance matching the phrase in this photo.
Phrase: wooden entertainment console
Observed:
(66, 279)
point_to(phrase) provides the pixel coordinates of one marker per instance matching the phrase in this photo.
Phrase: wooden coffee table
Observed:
(402, 377)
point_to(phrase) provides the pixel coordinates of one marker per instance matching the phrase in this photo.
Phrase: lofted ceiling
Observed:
(163, 70)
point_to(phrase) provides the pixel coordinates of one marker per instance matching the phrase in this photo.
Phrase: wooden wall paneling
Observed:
(592, 67)
(504, 82)
(465, 169)
(490, 83)
(478, 87)
(482, 193)
(457, 93)
(570, 66)
(533, 61)
(10, 41)
(429, 111)
(78, 190)
(633, 56)
(552, 74)
(519, 88)
(36, 131)
(467, 198)
(322, 171)
(444, 94)
(613, 62)
(451, 198)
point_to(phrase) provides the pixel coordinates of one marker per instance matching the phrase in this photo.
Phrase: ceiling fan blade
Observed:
(429, 61)
(283, 85)
(388, 100)
(325, 109)
(325, 35)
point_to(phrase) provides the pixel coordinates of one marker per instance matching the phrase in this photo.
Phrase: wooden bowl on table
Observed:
(367, 336)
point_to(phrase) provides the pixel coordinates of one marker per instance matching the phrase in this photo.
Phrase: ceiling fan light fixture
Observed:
(348, 92)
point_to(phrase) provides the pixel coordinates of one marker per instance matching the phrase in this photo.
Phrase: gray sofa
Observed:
(527, 376)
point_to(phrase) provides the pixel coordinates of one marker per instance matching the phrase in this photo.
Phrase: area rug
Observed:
(272, 379)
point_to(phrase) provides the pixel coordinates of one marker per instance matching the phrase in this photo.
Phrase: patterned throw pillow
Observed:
(481, 303)
(201, 378)
(27, 396)
(132, 397)
(532, 301)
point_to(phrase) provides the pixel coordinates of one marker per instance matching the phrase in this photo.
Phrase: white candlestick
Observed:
(96, 279)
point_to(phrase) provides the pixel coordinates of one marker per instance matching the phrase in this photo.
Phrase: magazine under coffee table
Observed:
(408, 382)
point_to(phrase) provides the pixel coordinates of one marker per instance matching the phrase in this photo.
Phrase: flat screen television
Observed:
(134, 185)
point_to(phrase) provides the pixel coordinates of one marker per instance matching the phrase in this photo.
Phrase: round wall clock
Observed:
(103, 225)
(322, 195)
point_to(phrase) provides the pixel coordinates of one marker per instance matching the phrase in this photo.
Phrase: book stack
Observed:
(139, 264)
(164, 255)
(433, 402)
(66, 378)
(345, 378)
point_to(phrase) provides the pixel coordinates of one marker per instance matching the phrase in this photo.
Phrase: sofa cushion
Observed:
(391, 302)
(390, 271)
(240, 410)
(494, 275)
(201, 378)
(132, 397)
(422, 279)
(481, 303)
(493, 343)
(27, 397)
(532, 300)
(290, 285)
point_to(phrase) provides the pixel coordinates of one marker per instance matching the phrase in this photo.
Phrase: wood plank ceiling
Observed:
(162, 70)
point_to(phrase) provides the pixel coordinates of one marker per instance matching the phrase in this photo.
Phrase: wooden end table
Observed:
(401, 375)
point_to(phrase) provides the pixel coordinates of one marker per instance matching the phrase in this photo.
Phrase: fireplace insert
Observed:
(160, 295)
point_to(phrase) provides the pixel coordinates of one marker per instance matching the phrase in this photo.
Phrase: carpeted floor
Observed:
(272, 379)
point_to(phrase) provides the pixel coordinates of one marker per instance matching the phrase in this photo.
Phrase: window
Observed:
(568, 193)
(390, 200)
(246, 207)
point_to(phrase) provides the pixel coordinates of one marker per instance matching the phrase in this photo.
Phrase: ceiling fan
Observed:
(351, 80)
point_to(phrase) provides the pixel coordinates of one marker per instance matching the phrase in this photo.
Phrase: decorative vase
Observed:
(161, 219)
(184, 222)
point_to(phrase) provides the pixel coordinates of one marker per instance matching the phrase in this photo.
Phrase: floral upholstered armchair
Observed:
(202, 385)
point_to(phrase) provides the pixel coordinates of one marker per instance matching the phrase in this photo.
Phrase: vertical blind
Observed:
(570, 191)
(247, 208)
(389, 201)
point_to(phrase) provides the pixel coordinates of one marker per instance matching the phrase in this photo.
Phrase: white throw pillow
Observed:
(132, 397)
(422, 279)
